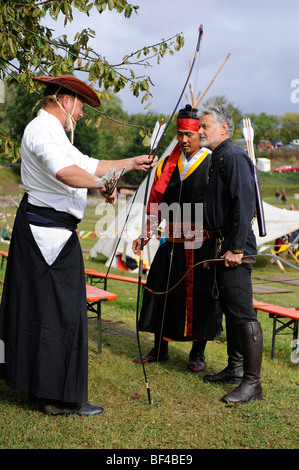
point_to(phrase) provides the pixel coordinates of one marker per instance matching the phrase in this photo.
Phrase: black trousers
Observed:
(234, 287)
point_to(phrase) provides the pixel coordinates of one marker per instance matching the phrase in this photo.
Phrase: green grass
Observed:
(186, 413)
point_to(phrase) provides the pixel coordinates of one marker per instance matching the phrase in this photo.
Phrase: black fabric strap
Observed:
(48, 217)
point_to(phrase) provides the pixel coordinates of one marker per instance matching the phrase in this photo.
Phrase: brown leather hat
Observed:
(84, 91)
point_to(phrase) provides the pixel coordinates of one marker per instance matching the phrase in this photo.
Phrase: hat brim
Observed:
(84, 91)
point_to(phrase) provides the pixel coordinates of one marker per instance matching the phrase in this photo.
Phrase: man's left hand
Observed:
(110, 198)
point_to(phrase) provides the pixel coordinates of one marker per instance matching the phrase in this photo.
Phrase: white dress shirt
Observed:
(45, 150)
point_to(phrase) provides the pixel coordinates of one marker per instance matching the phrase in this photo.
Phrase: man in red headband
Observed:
(185, 311)
(43, 321)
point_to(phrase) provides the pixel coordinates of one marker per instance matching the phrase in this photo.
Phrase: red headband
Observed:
(184, 124)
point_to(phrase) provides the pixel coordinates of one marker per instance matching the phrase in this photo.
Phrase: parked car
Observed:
(281, 169)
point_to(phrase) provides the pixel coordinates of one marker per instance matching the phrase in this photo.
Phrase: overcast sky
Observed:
(262, 37)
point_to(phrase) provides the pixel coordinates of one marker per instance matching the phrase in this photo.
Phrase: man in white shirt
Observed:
(43, 320)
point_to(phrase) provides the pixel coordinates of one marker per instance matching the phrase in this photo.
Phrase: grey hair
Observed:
(220, 115)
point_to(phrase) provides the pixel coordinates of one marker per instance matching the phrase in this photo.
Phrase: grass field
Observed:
(186, 413)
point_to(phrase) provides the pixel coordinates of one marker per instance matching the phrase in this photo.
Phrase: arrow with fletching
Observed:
(248, 134)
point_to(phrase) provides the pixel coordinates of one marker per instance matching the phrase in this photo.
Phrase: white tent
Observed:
(279, 222)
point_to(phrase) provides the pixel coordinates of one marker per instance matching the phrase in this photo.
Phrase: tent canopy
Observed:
(279, 222)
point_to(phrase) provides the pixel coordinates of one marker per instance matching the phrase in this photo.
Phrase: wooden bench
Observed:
(4, 255)
(95, 297)
(93, 276)
(286, 317)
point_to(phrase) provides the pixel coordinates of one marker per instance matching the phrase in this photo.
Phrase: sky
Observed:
(262, 37)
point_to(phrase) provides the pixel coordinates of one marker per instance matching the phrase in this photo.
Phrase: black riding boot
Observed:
(250, 387)
(233, 372)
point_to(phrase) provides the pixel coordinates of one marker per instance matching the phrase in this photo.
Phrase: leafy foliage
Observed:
(265, 126)
(28, 48)
(289, 126)
(101, 137)
(23, 38)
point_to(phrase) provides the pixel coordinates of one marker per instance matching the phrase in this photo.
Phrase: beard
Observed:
(209, 144)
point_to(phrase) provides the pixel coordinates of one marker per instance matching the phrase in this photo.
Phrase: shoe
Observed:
(196, 366)
(66, 409)
(197, 362)
(152, 357)
(229, 375)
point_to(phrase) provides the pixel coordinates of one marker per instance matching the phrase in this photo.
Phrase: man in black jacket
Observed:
(229, 207)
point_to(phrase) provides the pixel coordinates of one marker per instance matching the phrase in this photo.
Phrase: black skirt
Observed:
(187, 312)
(43, 320)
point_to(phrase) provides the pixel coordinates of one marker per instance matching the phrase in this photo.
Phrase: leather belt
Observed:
(177, 233)
(216, 233)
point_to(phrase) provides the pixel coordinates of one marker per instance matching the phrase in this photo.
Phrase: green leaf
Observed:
(146, 142)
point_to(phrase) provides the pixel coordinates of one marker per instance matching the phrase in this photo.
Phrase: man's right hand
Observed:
(136, 245)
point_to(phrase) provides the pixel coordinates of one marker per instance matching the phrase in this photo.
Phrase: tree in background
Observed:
(20, 109)
(289, 127)
(265, 127)
(113, 135)
(28, 48)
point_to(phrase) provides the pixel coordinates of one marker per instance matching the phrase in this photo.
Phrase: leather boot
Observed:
(250, 388)
(233, 372)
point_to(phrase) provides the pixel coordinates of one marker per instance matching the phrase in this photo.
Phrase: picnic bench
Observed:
(284, 316)
(93, 276)
(4, 255)
(95, 297)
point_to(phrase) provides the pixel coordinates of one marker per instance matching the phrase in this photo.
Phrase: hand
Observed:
(232, 259)
(136, 245)
(110, 198)
(206, 265)
(144, 162)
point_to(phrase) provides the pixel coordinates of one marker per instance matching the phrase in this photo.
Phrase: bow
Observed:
(248, 135)
(153, 154)
(221, 260)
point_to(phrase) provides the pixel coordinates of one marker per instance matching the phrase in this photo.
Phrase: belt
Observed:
(184, 232)
(183, 240)
(177, 234)
(216, 233)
